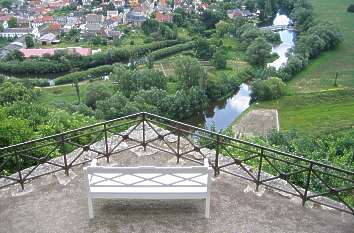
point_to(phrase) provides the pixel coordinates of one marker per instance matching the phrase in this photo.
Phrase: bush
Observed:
(219, 59)
(351, 8)
(95, 92)
(270, 89)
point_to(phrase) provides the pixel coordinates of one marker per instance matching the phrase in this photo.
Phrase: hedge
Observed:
(161, 53)
(84, 75)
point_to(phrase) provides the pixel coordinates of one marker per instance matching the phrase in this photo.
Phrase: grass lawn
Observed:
(320, 73)
(63, 94)
(315, 113)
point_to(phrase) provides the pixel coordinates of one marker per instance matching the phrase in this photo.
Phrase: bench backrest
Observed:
(195, 176)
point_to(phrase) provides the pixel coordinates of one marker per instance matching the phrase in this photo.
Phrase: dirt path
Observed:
(257, 122)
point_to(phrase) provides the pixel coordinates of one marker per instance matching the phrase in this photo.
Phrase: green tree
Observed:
(222, 28)
(6, 3)
(190, 73)
(350, 8)
(98, 40)
(29, 41)
(203, 49)
(96, 91)
(12, 22)
(150, 26)
(258, 52)
(219, 59)
(270, 89)
(178, 19)
(77, 89)
(11, 92)
(112, 107)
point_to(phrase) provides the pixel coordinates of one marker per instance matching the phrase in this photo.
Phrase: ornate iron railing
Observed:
(309, 180)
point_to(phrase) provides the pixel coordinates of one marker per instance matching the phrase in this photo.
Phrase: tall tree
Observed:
(259, 51)
(190, 73)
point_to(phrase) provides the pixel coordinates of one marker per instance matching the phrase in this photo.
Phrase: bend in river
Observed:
(223, 112)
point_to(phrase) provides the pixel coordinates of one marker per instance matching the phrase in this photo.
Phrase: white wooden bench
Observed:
(148, 183)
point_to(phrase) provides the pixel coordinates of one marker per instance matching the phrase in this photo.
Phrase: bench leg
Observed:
(90, 207)
(207, 207)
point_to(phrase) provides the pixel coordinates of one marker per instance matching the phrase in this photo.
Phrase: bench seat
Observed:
(155, 183)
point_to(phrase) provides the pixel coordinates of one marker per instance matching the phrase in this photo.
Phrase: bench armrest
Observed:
(206, 162)
(93, 163)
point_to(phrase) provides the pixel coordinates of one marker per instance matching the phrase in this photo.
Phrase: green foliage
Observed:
(203, 49)
(29, 42)
(6, 3)
(11, 92)
(112, 107)
(211, 17)
(270, 89)
(12, 22)
(98, 40)
(129, 81)
(165, 52)
(190, 73)
(219, 59)
(150, 26)
(222, 28)
(96, 91)
(92, 73)
(259, 52)
(221, 85)
(351, 8)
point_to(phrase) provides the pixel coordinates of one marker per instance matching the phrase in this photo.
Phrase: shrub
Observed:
(351, 8)
(270, 89)
(95, 92)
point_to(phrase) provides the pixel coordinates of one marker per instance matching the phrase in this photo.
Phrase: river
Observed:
(223, 112)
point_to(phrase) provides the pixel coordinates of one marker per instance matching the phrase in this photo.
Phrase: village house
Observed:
(118, 3)
(93, 24)
(48, 39)
(72, 22)
(135, 18)
(23, 23)
(14, 32)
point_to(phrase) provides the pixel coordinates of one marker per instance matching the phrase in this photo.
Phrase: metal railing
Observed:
(309, 180)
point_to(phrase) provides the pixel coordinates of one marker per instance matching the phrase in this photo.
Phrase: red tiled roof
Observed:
(160, 17)
(54, 27)
(36, 52)
(41, 52)
(5, 18)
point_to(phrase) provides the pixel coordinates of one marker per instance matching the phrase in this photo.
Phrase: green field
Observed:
(320, 73)
(315, 113)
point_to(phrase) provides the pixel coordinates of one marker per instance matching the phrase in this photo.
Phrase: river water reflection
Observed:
(287, 37)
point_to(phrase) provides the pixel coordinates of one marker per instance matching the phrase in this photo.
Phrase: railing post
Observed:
(216, 163)
(66, 168)
(144, 142)
(106, 141)
(19, 166)
(178, 145)
(308, 180)
(258, 182)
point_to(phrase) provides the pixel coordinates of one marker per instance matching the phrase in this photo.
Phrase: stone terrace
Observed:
(57, 203)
